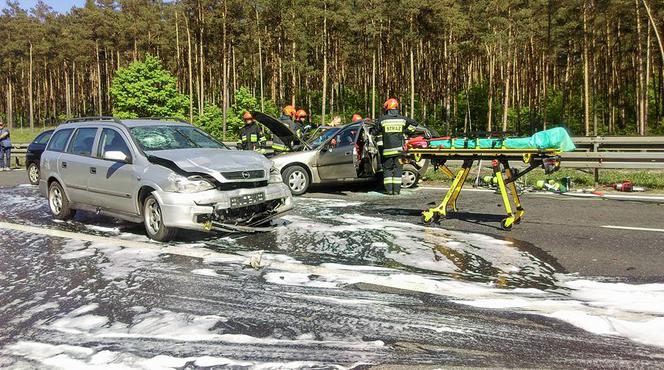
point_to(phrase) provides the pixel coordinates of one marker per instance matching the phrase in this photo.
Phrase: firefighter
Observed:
(300, 122)
(391, 130)
(287, 115)
(251, 135)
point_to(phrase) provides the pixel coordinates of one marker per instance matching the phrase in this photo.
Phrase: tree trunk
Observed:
(373, 86)
(30, 102)
(324, 99)
(10, 105)
(191, 77)
(586, 71)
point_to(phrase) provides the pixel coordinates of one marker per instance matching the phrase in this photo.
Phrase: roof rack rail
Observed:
(182, 120)
(93, 118)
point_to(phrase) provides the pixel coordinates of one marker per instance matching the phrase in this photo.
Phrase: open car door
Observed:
(367, 156)
(277, 128)
(337, 159)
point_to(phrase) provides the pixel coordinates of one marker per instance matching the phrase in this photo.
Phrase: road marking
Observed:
(633, 228)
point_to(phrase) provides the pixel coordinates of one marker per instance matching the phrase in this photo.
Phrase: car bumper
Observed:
(190, 211)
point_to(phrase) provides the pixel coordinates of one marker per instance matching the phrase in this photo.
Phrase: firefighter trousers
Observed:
(392, 172)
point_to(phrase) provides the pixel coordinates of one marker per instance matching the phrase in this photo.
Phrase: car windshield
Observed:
(169, 137)
(321, 136)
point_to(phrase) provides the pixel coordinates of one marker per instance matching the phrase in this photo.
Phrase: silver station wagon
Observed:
(165, 173)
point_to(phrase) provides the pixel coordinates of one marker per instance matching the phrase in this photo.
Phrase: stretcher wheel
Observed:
(506, 224)
(517, 220)
(430, 217)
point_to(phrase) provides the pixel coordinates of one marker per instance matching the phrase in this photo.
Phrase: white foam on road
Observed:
(607, 308)
(83, 358)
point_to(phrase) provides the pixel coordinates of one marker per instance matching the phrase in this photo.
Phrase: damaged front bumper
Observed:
(240, 210)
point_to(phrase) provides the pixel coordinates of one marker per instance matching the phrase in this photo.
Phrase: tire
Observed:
(33, 173)
(297, 179)
(410, 177)
(154, 221)
(58, 202)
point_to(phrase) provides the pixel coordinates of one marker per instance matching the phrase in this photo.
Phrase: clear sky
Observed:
(61, 6)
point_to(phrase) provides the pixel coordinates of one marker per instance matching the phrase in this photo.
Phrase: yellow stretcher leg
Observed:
(518, 215)
(508, 222)
(433, 214)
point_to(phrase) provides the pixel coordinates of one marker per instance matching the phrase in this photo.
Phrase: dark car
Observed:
(33, 155)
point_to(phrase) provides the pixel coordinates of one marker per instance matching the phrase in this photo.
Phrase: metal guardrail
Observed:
(598, 152)
(616, 153)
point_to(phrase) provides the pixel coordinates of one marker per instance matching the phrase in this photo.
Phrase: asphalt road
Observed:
(350, 279)
(572, 231)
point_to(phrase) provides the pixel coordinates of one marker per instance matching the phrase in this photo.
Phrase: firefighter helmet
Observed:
(289, 110)
(391, 104)
(247, 116)
(300, 114)
(356, 117)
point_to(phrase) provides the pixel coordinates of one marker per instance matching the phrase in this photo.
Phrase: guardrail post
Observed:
(596, 170)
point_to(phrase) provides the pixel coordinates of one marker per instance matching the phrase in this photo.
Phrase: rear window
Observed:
(43, 138)
(59, 140)
(82, 142)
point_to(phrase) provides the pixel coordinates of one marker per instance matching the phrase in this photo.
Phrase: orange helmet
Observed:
(300, 114)
(289, 110)
(247, 116)
(356, 117)
(390, 104)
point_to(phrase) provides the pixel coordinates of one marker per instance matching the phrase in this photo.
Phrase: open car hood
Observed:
(283, 132)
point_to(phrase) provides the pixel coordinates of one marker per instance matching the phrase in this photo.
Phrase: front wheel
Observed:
(410, 177)
(154, 221)
(33, 173)
(297, 179)
(58, 202)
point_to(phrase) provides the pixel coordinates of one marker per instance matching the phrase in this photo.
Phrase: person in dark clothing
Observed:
(251, 135)
(287, 119)
(391, 131)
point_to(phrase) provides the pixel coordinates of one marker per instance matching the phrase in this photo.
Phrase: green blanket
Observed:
(555, 138)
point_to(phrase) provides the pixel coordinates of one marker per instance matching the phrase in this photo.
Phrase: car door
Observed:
(112, 182)
(75, 164)
(336, 161)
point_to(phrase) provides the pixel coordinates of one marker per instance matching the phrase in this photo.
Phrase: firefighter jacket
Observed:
(251, 137)
(391, 131)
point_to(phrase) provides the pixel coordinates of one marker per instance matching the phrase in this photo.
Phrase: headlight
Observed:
(275, 176)
(193, 184)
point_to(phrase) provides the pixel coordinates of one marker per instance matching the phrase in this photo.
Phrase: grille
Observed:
(240, 175)
(241, 185)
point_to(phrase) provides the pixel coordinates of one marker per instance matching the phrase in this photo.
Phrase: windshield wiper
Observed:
(187, 138)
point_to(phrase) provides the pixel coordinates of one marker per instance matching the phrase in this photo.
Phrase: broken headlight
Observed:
(192, 184)
(275, 176)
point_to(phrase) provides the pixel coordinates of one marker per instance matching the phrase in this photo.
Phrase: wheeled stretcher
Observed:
(500, 151)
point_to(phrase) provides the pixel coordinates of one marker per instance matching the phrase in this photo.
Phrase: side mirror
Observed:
(116, 156)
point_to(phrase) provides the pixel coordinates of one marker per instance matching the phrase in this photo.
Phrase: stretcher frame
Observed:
(500, 159)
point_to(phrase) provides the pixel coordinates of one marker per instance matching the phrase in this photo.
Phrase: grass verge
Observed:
(26, 135)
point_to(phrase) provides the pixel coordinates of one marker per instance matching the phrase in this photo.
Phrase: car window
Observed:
(59, 140)
(112, 141)
(346, 137)
(82, 142)
(42, 138)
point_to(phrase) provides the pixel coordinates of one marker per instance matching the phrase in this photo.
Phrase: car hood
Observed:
(210, 161)
(277, 128)
(304, 156)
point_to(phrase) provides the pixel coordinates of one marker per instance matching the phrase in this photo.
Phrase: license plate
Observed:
(247, 200)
